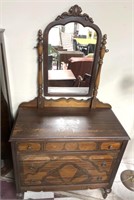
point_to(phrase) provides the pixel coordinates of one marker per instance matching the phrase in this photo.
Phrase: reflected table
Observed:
(60, 78)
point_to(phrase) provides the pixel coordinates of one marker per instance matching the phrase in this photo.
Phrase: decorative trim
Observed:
(31, 104)
(63, 102)
(74, 11)
(96, 103)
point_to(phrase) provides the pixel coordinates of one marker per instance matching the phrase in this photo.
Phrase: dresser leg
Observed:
(20, 195)
(105, 192)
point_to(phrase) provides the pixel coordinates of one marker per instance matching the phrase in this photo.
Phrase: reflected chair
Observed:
(80, 65)
(82, 82)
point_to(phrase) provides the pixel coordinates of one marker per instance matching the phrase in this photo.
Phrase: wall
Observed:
(21, 21)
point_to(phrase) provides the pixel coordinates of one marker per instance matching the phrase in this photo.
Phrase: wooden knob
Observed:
(99, 178)
(29, 147)
(110, 147)
(32, 168)
(103, 164)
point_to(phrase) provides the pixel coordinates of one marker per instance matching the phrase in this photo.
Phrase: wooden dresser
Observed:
(66, 149)
(67, 143)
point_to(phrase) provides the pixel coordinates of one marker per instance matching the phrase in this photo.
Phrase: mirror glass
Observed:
(71, 50)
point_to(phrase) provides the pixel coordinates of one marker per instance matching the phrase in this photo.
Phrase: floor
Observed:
(119, 191)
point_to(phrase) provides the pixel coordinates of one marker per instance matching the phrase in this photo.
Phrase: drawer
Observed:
(28, 147)
(110, 146)
(67, 146)
(65, 169)
(70, 146)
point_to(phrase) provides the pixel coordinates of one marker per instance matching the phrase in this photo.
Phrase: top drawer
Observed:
(67, 146)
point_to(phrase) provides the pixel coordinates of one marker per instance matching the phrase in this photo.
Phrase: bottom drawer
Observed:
(65, 170)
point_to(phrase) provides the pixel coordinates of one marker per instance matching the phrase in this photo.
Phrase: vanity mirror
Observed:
(71, 46)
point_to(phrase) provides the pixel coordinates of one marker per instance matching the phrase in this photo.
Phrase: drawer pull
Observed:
(29, 147)
(110, 147)
(103, 164)
(99, 178)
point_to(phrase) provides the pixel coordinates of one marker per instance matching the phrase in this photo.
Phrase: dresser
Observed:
(67, 143)
(66, 149)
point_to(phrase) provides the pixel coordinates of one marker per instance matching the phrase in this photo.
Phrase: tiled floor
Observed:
(119, 191)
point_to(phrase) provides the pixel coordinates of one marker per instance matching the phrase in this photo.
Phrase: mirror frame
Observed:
(73, 15)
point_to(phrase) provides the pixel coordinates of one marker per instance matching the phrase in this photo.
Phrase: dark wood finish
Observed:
(72, 121)
(67, 148)
(73, 15)
(62, 78)
(67, 143)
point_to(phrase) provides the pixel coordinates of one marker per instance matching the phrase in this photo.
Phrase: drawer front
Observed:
(110, 146)
(28, 147)
(67, 146)
(65, 170)
(70, 146)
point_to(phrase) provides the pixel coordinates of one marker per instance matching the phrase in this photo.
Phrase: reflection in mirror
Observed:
(71, 51)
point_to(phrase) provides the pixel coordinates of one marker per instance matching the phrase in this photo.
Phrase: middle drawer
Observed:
(70, 146)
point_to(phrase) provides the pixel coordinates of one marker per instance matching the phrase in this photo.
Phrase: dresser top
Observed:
(67, 123)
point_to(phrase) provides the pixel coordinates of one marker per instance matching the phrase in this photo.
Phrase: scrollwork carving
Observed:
(76, 12)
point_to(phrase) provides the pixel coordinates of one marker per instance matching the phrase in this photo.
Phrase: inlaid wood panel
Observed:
(61, 169)
(70, 146)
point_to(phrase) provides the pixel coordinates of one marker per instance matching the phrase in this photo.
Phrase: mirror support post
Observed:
(95, 102)
(40, 99)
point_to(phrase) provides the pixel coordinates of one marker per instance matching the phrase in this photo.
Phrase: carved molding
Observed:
(31, 104)
(63, 102)
(76, 12)
(62, 170)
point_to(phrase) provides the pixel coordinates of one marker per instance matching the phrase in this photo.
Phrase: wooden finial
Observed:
(102, 53)
(95, 102)
(40, 74)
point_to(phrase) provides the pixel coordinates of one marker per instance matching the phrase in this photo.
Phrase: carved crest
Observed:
(76, 12)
